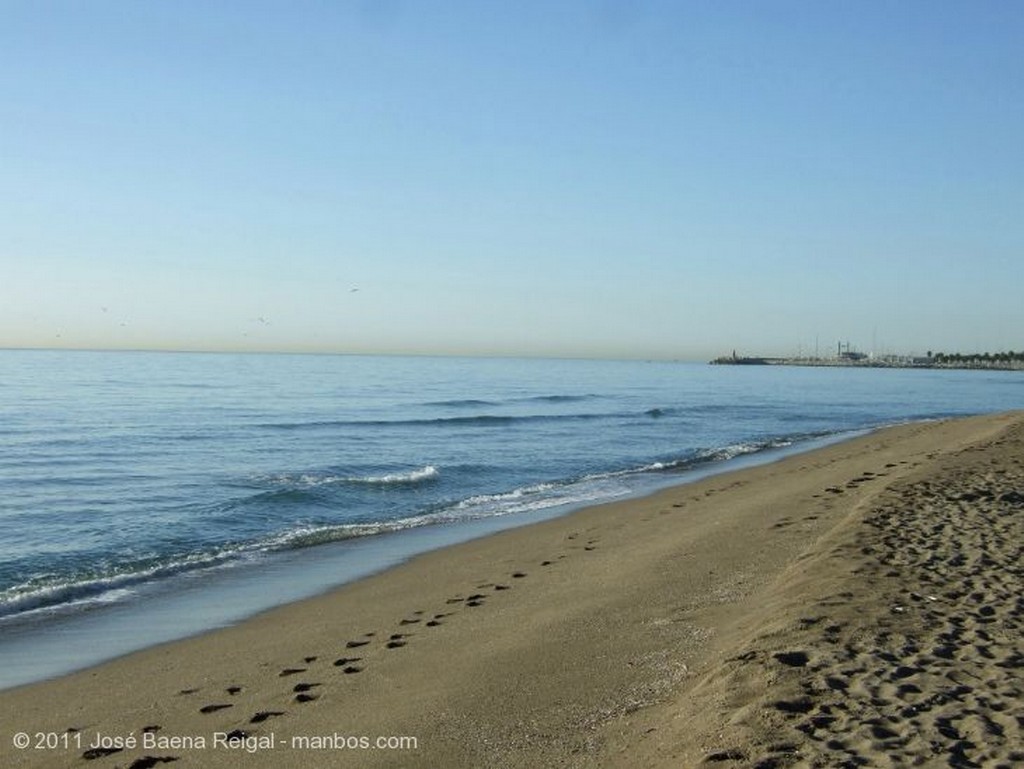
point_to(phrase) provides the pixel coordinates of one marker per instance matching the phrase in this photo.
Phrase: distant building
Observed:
(852, 356)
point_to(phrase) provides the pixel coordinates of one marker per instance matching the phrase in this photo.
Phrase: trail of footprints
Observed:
(305, 692)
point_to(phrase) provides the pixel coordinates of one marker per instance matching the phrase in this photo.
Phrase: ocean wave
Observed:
(659, 412)
(428, 473)
(505, 496)
(463, 403)
(704, 456)
(313, 480)
(526, 499)
(83, 591)
(558, 398)
(80, 591)
(477, 420)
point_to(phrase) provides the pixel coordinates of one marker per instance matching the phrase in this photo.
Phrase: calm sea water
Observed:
(125, 473)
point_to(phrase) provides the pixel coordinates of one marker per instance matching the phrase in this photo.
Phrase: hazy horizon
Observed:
(650, 180)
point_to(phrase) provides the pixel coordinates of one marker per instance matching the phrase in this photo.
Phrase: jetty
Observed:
(1003, 361)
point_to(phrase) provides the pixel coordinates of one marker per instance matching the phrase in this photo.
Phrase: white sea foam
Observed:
(313, 480)
(415, 476)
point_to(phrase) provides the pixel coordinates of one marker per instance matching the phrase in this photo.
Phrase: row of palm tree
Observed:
(980, 359)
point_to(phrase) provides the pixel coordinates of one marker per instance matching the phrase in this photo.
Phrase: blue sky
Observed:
(646, 179)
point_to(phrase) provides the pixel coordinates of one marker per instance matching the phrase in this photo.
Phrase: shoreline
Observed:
(618, 634)
(193, 603)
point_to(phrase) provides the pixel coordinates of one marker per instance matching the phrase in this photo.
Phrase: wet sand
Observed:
(859, 605)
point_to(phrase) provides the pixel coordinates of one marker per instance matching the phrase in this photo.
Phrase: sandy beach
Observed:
(858, 605)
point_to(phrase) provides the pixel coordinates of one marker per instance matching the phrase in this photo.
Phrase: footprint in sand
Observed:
(795, 659)
(148, 762)
(347, 666)
(94, 753)
(302, 692)
(397, 641)
(798, 706)
(214, 708)
(263, 715)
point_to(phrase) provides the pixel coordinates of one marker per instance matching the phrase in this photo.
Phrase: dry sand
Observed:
(859, 605)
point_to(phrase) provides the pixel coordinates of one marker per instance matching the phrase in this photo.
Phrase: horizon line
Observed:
(350, 353)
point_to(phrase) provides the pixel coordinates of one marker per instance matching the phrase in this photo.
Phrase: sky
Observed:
(581, 179)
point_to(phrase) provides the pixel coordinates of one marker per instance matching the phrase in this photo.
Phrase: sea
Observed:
(149, 496)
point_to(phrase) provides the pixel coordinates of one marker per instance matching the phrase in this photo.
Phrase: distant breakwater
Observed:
(986, 364)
